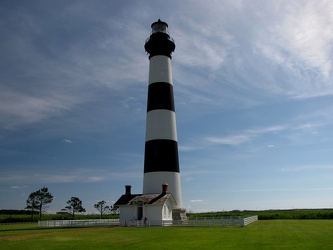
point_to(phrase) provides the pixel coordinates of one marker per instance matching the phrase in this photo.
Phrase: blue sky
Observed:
(253, 85)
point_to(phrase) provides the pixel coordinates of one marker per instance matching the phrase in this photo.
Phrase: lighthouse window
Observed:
(159, 27)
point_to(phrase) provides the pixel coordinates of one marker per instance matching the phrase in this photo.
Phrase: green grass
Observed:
(268, 234)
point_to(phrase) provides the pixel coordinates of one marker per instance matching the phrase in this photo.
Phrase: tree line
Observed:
(38, 202)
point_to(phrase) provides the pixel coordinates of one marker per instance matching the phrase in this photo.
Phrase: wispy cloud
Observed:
(300, 41)
(17, 108)
(267, 130)
(308, 34)
(75, 176)
(306, 168)
(296, 132)
(194, 201)
(229, 140)
(235, 139)
(60, 74)
(280, 189)
(17, 187)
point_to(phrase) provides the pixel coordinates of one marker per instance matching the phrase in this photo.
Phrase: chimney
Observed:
(128, 190)
(164, 188)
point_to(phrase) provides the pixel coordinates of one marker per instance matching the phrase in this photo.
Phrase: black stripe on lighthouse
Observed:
(160, 96)
(161, 155)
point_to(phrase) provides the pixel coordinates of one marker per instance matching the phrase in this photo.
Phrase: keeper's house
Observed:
(145, 209)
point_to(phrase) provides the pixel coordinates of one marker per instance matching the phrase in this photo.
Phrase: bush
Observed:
(299, 214)
(17, 220)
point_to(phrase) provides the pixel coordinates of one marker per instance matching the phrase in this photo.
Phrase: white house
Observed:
(146, 209)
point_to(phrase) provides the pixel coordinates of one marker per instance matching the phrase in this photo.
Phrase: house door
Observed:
(140, 211)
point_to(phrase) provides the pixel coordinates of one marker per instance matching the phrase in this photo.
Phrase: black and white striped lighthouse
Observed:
(161, 163)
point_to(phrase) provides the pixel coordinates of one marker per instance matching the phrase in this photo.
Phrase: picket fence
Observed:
(194, 222)
(219, 221)
(78, 223)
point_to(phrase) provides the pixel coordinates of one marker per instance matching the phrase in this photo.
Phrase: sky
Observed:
(253, 86)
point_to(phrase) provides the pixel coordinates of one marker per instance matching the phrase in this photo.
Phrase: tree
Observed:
(75, 205)
(37, 201)
(31, 204)
(102, 208)
(114, 209)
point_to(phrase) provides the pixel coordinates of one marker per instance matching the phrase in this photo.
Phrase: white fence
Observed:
(196, 222)
(78, 223)
(248, 220)
(220, 221)
(233, 221)
(148, 223)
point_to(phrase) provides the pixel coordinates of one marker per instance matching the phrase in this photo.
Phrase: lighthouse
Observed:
(161, 164)
(157, 206)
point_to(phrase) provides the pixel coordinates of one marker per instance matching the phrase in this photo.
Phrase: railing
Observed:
(249, 220)
(78, 223)
(233, 221)
(219, 222)
(195, 222)
(169, 38)
(148, 223)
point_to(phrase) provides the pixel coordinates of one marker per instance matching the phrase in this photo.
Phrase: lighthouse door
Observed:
(140, 211)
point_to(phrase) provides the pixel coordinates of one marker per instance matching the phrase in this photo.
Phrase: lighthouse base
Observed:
(179, 215)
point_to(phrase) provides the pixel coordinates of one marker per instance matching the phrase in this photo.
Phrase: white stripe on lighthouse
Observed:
(160, 69)
(153, 180)
(161, 124)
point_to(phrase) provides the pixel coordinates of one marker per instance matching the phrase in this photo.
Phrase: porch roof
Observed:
(147, 199)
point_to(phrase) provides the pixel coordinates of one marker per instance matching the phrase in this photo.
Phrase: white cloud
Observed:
(18, 108)
(308, 35)
(187, 147)
(68, 141)
(95, 179)
(306, 168)
(235, 139)
(75, 176)
(267, 130)
(203, 46)
(229, 140)
(299, 38)
(195, 200)
(17, 187)
(293, 133)
(296, 132)
(45, 75)
(281, 189)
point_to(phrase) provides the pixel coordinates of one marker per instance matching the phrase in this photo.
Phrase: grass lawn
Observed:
(269, 234)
